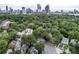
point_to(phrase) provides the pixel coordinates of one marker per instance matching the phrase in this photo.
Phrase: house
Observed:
(65, 41)
(58, 50)
(9, 51)
(24, 48)
(25, 32)
(28, 31)
(18, 45)
(20, 33)
(33, 50)
(5, 24)
(73, 42)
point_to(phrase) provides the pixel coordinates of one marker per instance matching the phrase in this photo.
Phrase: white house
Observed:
(5, 24)
(58, 50)
(73, 42)
(65, 41)
(28, 31)
(25, 32)
(9, 51)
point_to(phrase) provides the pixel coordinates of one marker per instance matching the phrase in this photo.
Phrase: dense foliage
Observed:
(58, 25)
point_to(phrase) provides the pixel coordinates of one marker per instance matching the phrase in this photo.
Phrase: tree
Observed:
(71, 35)
(38, 32)
(3, 46)
(41, 32)
(76, 35)
(29, 40)
(64, 32)
(39, 47)
(12, 35)
(31, 25)
(17, 52)
(4, 36)
(57, 36)
(21, 27)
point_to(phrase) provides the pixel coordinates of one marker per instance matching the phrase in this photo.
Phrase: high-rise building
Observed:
(47, 8)
(11, 10)
(76, 11)
(0, 10)
(61, 11)
(6, 8)
(29, 10)
(23, 10)
(38, 8)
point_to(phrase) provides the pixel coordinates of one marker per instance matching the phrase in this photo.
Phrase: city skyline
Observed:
(54, 4)
(34, 7)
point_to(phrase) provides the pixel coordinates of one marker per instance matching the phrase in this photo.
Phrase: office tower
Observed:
(6, 8)
(47, 8)
(23, 10)
(38, 8)
(29, 10)
(76, 11)
(11, 10)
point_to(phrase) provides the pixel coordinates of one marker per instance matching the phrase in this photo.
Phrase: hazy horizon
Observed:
(34, 7)
(54, 4)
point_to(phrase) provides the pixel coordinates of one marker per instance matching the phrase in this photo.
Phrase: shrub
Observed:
(29, 40)
(3, 46)
(39, 47)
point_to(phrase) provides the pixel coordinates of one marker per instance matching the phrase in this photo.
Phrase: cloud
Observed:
(42, 2)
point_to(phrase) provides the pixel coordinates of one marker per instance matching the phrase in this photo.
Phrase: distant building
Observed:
(38, 8)
(47, 8)
(61, 11)
(5, 24)
(71, 12)
(11, 10)
(75, 11)
(43, 11)
(0, 9)
(57, 11)
(29, 10)
(16, 11)
(23, 10)
(6, 8)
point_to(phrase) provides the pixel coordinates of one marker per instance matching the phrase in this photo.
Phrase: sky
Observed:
(43, 2)
(32, 3)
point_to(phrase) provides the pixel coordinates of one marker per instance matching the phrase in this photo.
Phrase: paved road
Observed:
(49, 49)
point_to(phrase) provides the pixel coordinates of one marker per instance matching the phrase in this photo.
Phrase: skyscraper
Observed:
(76, 11)
(29, 10)
(47, 8)
(0, 10)
(38, 8)
(23, 10)
(11, 10)
(6, 8)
